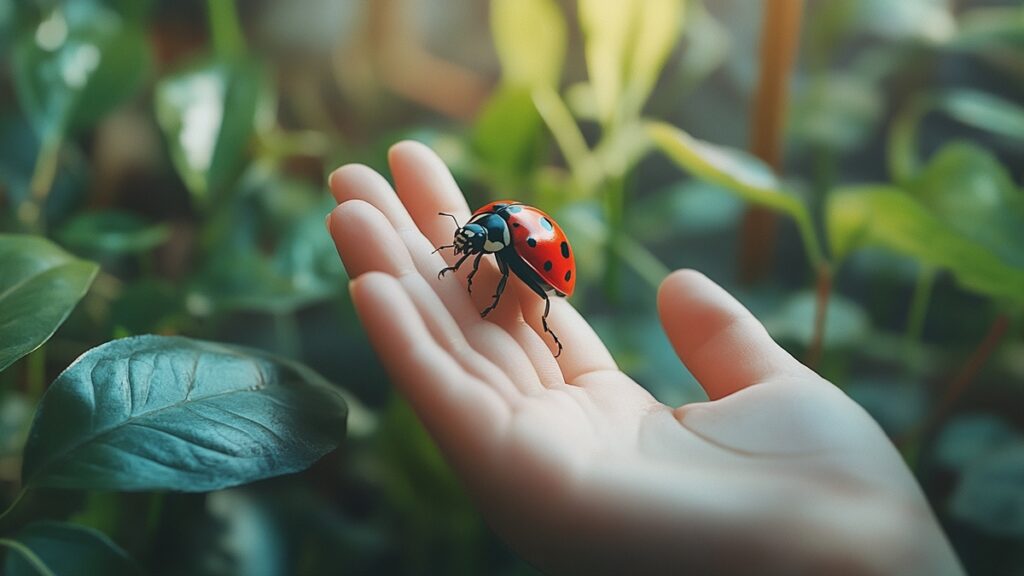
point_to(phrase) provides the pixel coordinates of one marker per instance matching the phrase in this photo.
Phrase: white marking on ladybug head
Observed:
(491, 246)
(469, 233)
(508, 239)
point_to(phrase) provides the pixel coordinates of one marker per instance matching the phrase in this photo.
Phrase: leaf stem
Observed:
(17, 500)
(563, 127)
(643, 262)
(31, 209)
(919, 303)
(34, 560)
(228, 41)
(822, 295)
(780, 38)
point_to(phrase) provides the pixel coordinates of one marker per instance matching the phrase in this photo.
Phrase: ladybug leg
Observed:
(544, 322)
(499, 290)
(476, 266)
(452, 268)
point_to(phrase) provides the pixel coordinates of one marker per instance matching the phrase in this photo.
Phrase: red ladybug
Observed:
(525, 241)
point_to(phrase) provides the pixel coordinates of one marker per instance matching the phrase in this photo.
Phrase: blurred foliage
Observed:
(162, 170)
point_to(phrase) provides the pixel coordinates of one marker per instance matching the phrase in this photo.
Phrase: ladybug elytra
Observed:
(524, 241)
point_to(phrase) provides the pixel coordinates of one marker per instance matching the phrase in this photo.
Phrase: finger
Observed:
(583, 352)
(721, 342)
(359, 182)
(426, 187)
(463, 415)
(367, 242)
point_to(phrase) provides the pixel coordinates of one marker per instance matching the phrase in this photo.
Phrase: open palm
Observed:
(579, 468)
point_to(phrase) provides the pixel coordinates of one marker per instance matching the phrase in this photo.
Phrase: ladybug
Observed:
(524, 241)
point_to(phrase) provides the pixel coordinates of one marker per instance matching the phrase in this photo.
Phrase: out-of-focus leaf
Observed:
(889, 218)
(148, 305)
(274, 255)
(529, 36)
(990, 27)
(898, 405)
(707, 44)
(508, 133)
(969, 190)
(846, 321)
(207, 114)
(690, 208)
(968, 438)
(169, 413)
(39, 286)
(15, 415)
(66, 548)
(112, 232)
(838, 112)
(76, 65)
(626, 46)
(990, 495)
(929, 20)
(250, 542)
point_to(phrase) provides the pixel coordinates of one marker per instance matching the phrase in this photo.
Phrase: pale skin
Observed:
(578, 467)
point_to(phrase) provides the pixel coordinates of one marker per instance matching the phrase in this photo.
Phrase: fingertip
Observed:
(410, 150)
(347, 182)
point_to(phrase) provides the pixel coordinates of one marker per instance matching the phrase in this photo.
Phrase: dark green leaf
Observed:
(889, 218)
(990, 495)
(76, 65)
(207, 114)
(969, 438)
(15, 416)
(168, 413)
(838, 112)
(690, 208)
(39, 286)
(112, 232)
(508, 133)
(67, 550)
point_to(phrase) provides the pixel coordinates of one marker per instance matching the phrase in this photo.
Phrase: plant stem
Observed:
(780, 37)
(31, 210)
(822, 294)
(912, 443)
(35, 561)
(563, 127)
(17, 500)
(35, 372)
(919, 303)
(228, 41)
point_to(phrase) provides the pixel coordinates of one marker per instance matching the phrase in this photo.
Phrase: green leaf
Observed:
(991, 27)
(508, 133)
(626, 45)
(169, 413)
(969, 190)
(76, 65)
(839, 112)
(969, 438)
(112, 232)
(15, 416)
(39, 286)
(529, 36)
(67, 549)
(207, 114)
(887, 217)
(990, 495)
(846, 324)
(738, 172)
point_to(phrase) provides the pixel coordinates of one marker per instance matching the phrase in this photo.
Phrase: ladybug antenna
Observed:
(439, 248)
(452, 216)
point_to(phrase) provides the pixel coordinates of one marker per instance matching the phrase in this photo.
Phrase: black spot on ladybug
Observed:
(568, 274)
(547, 266)
(546, 224)
(499, 207)
(532, 242)
(515, 224)
(565, 249)
(514, 209)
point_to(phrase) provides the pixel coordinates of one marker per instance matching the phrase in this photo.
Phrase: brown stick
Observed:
(780, 39)
(969, 371)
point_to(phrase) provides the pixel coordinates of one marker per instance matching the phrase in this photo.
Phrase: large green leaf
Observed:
(207, 115)
(890, 218)
(508, 133)
(169, 413)
(529, 36)
(67, 550)
(39, 286)
(78, 64)
(969, 190)
(626, 45)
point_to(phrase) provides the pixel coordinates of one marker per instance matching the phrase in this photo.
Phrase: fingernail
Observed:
(327, 222)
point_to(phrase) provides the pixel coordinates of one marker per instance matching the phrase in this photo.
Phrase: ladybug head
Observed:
(469, 239)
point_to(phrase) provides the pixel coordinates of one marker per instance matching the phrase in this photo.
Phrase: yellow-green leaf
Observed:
(529, 36)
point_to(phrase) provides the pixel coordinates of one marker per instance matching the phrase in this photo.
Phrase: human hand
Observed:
(579, 468)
